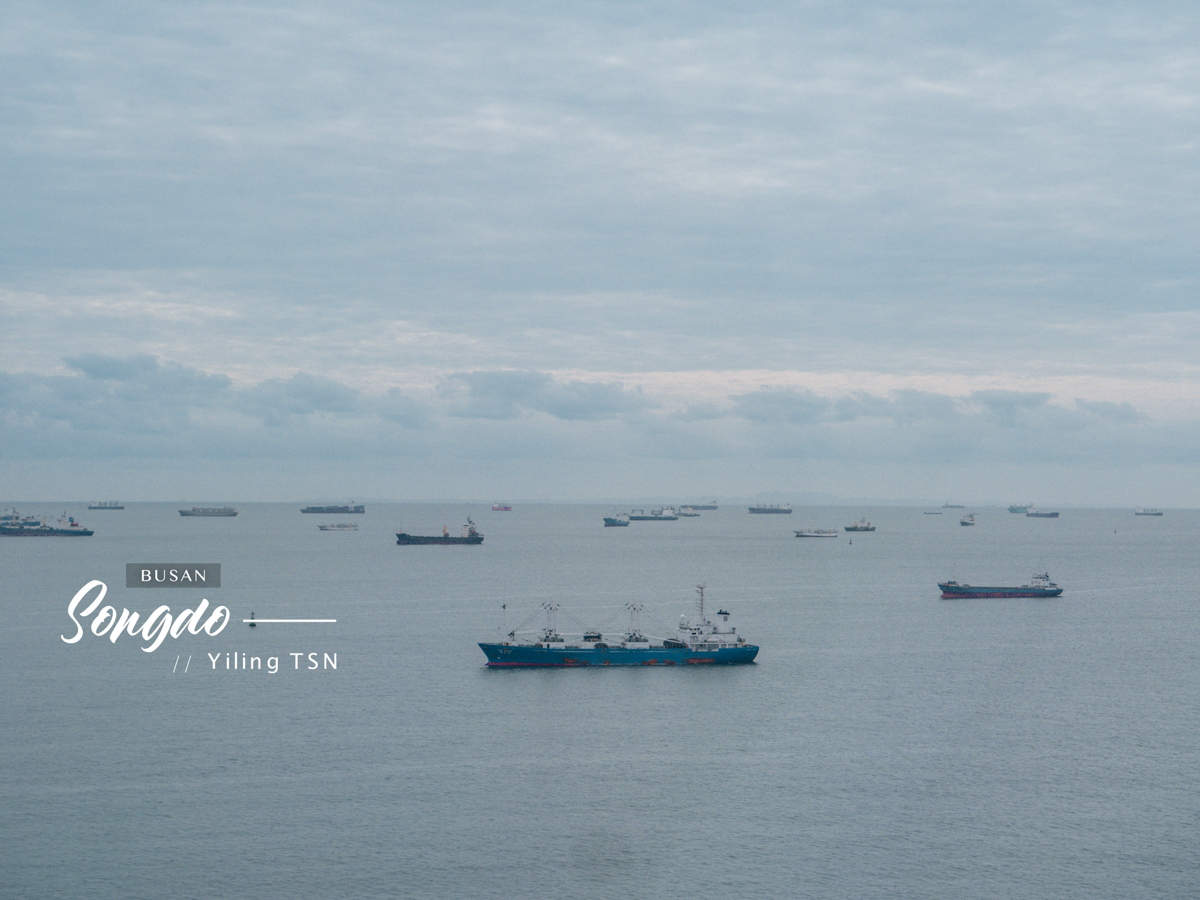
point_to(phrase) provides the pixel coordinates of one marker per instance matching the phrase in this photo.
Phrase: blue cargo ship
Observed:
(15, 525)
(705, 642)
(1039, 586)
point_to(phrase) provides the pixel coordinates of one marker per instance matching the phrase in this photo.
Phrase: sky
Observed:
(540, 251)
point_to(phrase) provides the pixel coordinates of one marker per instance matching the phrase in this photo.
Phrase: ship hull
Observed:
(1037, 515)
(515, 656)
(768, 511)
(966, 592)
(19, 531)
(334, 510)
(408, 539)
(209, 514)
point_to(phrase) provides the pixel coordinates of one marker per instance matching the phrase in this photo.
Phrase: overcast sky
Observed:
(609, 250)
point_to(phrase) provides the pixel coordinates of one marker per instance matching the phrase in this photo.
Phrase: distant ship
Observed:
(706, 642)
(818, 532)
(704, 506)
(501, 507)
(618, 521)
(861, 525)
(339, 526)
(687, 512)
(949, 505)
(16, 525)
(107, 504)
(1143, 511)
(968, 519)
(1039, 586)
(349, 509)
(209, 511)
(666, 514)
(768, 509)
(1034, 514)
(1020, 509)
(469, 536)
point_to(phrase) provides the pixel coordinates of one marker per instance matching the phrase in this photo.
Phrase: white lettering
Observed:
(154, 630)
(76, 600)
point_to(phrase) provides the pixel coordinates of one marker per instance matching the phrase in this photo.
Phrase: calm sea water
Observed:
(886, 744)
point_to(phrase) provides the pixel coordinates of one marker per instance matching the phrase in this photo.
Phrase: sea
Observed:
(885, 744)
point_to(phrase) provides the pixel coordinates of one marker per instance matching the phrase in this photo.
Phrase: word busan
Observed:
(154, 630)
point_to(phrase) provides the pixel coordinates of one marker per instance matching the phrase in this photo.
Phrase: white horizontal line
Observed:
(256, 621)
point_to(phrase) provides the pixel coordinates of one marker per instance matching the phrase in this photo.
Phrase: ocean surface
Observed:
(886, 744)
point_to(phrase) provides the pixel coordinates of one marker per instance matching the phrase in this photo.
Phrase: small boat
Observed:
(861, 525)
(772, 508)
(1034, 514)
(106, 504)
(209, 511)
(1039, 586)
(968, 519)
(501, 507)
(620, 520)
(252, 623)
(339, 526)
(817, 532)
(1143, 511)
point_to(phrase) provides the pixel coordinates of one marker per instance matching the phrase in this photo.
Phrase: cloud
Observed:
(277, 400)
(1122, 413)
(510, 395)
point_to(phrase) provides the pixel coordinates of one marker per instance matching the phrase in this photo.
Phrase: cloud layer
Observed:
(896, 237)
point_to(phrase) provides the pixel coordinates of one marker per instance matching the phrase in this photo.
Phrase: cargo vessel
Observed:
(209, 511)
(106, 504)
(339, 526)
(1143, 511)
(621, 520)
(349, 508)
(818, 532)
(704, 642)
(772, 508)
(469, 536)
(16, 525)
(1015, 508)
(861, 525)
(1039, 586)
(666, 514)
(501, 507)
(1034, 514)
